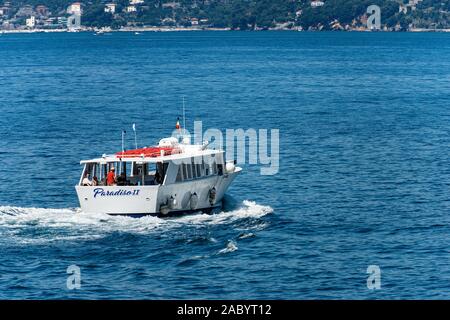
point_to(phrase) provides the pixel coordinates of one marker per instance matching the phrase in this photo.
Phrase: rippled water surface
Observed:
(364, 175)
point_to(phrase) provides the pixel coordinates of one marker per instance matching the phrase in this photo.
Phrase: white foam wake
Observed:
(72, 223)
(248, 209)
(231, 246)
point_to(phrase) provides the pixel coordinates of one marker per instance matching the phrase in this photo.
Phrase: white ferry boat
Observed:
(174, 177)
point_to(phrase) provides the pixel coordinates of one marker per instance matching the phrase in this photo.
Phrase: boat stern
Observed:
(118, 200)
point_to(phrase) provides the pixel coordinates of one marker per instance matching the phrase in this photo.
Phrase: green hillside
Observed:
(253, 14)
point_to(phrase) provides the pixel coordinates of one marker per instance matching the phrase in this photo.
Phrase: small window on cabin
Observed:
(162, 169)
(135, 169)
(185, 176)
(194, 171)
(199, 173)
(88, 169)
(189, 171)
(103, 174)
(94, 170)
(179, 177)
(132, 169)
(151, 168)
(125, 168)
(214, 168)
(207, 171)
(202, 168)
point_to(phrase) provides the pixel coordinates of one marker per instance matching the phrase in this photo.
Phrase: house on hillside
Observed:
(75, 8)
(110, 8)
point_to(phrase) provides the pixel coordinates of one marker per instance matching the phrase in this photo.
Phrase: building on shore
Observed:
(5, 10)
(131, 9)
(317, 3)
(30, 22)
(408, 7)
(168, 22)
(25, 11)
(42, 11)
(61, 21)
(110, 8)
(7, 25)
(75, 8)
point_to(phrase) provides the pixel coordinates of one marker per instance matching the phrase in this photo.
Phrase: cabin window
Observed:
(179, 174)
(199, 173)
(104, 173)
(151, 169)
(161, 170)
(194, 171)
(99, 172)
(89, 169)
(93, 172)
(138, 175)
(189, 171)
(185, 176)
(150, 174)
(124, 168)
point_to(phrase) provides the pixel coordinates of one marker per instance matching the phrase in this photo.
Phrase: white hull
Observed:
(153, 199)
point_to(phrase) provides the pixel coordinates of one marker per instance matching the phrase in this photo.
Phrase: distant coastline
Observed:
(219, 15)
(193, 29)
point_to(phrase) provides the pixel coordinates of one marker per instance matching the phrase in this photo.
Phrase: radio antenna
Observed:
(184, 118)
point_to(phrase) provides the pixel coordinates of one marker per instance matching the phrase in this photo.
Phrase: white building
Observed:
(134, 2)
(110, 7)
(31, 22)
(316, 3)
(403, 8)
(74, 8)
(5, 10)
(167, 21)
(131, 9)
(410, 6)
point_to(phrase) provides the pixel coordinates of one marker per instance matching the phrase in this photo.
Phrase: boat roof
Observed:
(178, 153)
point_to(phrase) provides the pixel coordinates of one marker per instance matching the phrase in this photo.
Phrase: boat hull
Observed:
(209, 210)
(154, 199)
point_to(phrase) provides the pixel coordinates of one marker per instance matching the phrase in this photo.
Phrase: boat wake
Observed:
(39, 225)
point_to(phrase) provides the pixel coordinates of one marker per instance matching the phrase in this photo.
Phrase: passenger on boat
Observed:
(158, 177)
(111, 179)
(86, 182)
(121, 179)
(94, 181)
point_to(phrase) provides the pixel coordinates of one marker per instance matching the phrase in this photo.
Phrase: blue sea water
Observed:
(364, 175)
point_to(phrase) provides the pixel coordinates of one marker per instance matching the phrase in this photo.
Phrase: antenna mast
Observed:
(184, 118)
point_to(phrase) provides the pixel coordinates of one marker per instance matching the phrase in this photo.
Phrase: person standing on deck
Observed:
(111, 179)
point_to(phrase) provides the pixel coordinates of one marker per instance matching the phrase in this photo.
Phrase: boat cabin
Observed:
(156, 170)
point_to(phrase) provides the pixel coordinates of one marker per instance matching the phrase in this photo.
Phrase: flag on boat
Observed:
(177, 126)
